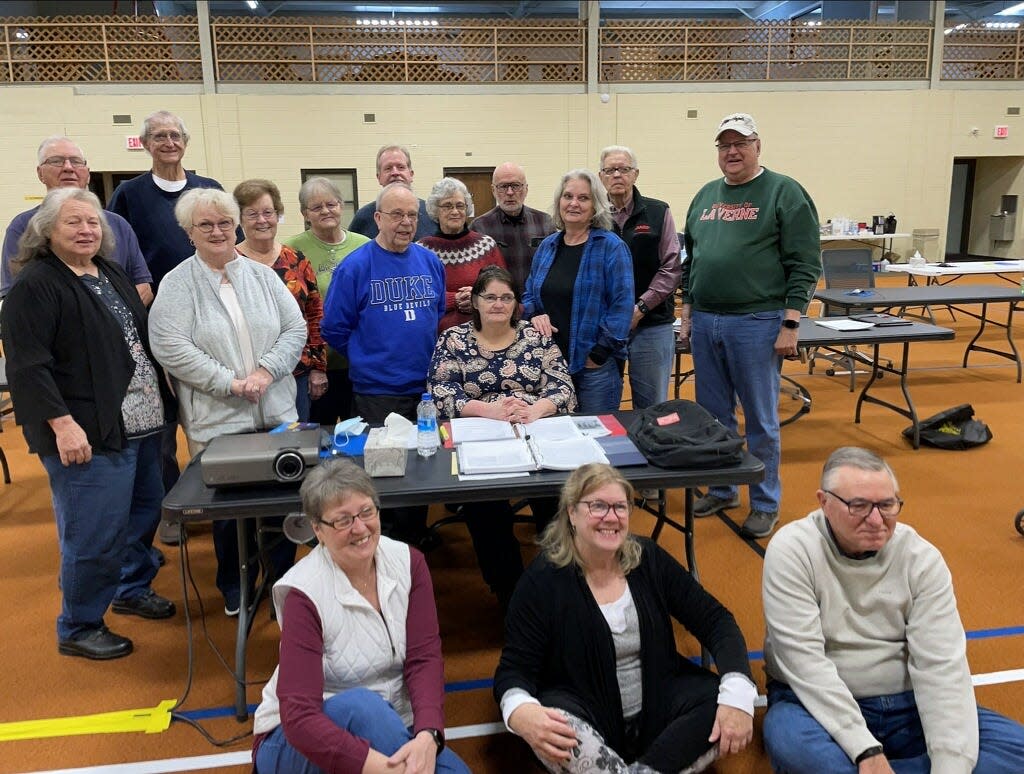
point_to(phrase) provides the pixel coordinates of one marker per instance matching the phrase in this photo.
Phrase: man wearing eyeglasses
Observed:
(147, 201)
(62, 164)
(865, 651)
(753, 261)
(516, 228)
(394, 165)
(646, 225)
(381, 312)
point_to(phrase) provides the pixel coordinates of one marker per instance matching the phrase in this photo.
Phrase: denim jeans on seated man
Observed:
(104, 509)
(651, 352)
(734, 357)
(599, 390)
(364, 714)
(798, 744)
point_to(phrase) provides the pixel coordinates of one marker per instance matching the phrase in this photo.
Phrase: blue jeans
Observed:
(302, 401)
(797, 743)
(734, 357)
(599, 390)
(104, 508)
(651, 351)
(362, 713)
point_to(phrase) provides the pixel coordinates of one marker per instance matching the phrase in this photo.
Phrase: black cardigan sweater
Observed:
(556, 637)
(66, 354)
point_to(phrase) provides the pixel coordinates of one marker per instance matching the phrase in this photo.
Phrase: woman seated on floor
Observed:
(360, 685)
(500, 367)
(590, 676)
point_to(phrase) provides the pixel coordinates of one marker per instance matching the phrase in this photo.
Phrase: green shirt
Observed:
(751, 247)
(324, 258)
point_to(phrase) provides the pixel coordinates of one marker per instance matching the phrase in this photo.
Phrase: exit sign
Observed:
(1002, 132)
(133, 142)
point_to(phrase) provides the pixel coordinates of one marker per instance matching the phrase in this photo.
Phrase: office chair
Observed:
(843, 269)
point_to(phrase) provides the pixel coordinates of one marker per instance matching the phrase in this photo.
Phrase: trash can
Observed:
(926, 242)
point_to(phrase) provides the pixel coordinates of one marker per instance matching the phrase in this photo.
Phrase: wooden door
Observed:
(478, 181)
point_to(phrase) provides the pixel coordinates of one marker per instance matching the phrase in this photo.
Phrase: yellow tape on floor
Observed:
(149, 721)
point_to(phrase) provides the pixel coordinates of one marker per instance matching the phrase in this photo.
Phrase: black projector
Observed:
(260, 458)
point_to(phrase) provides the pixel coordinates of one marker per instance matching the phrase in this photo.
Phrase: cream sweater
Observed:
(839, 629)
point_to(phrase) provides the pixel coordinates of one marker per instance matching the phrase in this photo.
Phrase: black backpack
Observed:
(955, 428)
(682, 434)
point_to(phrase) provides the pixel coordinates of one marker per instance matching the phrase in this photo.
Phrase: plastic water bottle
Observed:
(426, 426)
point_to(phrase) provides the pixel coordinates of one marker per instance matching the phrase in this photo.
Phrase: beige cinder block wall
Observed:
(859, 153)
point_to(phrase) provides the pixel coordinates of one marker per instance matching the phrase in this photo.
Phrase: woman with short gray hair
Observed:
(463, 252)
(92, 404)
(229, 333)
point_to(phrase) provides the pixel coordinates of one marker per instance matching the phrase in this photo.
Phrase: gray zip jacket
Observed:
(192, 336)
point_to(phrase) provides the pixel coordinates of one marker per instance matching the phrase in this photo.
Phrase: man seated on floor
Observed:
(865, 652)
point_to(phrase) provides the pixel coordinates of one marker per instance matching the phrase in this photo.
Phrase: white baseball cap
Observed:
(737, 122)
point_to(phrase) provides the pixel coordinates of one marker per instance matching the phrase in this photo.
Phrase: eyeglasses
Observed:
(221, 225)
(490, 298)
(860, 508)
(397, 216)
(599, 508)
(739, 145)
(510, 187)
(449, 206)
(609, 171)
(369, 513)
(256, 215)
(59, 161)
(318, 208)
(165, 136)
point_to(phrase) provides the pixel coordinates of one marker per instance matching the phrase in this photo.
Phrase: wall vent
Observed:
(369, 118)
(122, 118)
(1013, 111)
(691, 113)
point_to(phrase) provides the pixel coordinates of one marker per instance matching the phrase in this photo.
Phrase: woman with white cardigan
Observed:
(229, 333)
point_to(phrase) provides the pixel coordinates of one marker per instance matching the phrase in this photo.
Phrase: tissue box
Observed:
(380, 458)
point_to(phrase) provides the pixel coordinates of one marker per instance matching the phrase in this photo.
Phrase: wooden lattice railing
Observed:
(979, 53)
(695, 50)
(471, 51)
(122, 49)
(101, 49)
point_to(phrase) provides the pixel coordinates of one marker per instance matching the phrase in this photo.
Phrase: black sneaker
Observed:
(99, 644)
(760, 524)
(147, 605)
(710, 504)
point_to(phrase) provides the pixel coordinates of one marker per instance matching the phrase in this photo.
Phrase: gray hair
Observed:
(331, 481)
(445, 188)
(387, 189)
(53, 139)
(558, 543)
(35, 242)
(318, 185)
(620, 149)
(386, 148)
(599, 196)
(854, 457)
(162, 117)
(220, 200)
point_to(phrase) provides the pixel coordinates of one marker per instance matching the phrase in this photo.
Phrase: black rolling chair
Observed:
(844, 269)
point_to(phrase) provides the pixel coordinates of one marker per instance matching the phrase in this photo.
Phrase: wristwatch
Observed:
(642, 307)
(791, 324)
(438, 738)
(871, 752)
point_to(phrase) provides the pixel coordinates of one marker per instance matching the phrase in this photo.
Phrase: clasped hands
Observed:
(510, 409)
(253, 386)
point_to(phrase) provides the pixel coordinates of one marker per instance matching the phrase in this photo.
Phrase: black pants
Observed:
(409, 523)
(497, 550)
(336, 403)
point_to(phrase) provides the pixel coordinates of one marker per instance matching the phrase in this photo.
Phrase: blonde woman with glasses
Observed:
(590, 676)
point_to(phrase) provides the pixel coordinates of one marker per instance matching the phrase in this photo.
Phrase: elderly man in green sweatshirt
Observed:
(865, 653)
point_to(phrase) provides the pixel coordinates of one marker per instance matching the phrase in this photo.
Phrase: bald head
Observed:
(509, 185)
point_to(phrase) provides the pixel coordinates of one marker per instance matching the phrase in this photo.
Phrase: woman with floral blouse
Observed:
(500, 367)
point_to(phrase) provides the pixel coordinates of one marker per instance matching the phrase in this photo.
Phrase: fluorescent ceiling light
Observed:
(1002, 25)
(1013, 10)
(252, 4)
